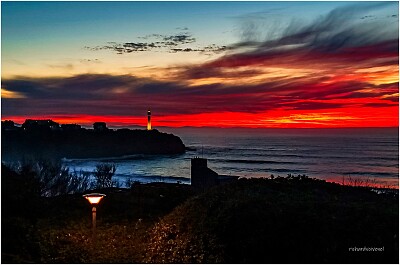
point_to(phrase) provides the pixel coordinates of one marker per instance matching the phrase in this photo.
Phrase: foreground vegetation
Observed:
(281, 220)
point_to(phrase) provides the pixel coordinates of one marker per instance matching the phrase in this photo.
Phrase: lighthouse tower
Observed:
(149, 120)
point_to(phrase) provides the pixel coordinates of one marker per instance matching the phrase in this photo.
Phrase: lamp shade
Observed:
(94, 198)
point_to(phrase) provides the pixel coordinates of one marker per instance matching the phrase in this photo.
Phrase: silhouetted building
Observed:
(203, 178)
(8, 125)
(40, 124)
(148, 120)
(99, 126)
(70, 127)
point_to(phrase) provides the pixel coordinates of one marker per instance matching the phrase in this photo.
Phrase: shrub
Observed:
(53, 177)
(103, 174)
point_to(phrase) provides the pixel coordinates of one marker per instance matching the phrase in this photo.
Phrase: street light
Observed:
(94, 199)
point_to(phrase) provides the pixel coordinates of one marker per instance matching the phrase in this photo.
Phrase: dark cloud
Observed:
(207, 49)
(179, 39)
(127, 47)
(215, 48)
(151, 36)
(198, 73)
(182, 28)
(393, 99)
(128, 95)
(158, 42)
(174, 50)
(78, 87)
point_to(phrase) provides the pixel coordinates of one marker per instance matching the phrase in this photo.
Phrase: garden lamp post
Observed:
(94, 199)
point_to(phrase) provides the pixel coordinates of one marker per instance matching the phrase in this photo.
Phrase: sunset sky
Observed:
(223, 64)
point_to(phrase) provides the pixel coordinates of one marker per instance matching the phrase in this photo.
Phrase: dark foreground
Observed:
(251, 221)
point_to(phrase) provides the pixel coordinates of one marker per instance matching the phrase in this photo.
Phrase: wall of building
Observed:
(203, 178)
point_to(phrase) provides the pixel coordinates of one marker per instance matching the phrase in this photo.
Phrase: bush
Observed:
(103, 174)
(54, 179)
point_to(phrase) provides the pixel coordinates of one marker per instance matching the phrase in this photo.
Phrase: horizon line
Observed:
(217, 127)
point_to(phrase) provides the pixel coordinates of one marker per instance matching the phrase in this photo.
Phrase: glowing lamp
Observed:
(94, 198)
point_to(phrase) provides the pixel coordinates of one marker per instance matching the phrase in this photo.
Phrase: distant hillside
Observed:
(86, 143)
(279, 221)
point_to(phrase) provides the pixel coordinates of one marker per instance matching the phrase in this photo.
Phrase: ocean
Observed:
(329, 154)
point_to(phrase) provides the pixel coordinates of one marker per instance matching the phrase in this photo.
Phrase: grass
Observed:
(73, 243)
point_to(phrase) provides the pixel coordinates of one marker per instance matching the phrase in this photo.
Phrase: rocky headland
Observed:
(45, 138)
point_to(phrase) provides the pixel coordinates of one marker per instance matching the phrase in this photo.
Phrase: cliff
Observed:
(86, 143)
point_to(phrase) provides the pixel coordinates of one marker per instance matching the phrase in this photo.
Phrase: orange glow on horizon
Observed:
(282, 118)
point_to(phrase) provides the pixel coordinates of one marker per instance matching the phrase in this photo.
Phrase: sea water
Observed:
(330, 154)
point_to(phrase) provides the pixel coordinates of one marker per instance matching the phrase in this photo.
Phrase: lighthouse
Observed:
(148, 120)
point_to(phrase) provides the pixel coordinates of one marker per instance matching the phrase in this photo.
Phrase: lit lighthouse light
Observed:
(148, 120)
